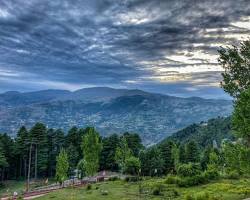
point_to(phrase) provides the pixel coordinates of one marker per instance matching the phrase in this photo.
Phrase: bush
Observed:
(172, 179)
(192, 181)
(188, 170)
(189, 197)
(212, 174)
(157, 189)
(89, 187)
(199, 196)
(104, 192)
(202, 196)
(233, 175)
(133, 178)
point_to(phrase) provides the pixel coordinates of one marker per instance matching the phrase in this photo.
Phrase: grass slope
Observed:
(120, 190)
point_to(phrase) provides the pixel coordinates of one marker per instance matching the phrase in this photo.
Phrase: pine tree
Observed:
(39, 140)
(107, 159)
(22, 148)
(167, 155)
(192, 152)
(134, 143)
(8, 149)
(152, 163)
(55, 143)
(182, 154)
(73, 156)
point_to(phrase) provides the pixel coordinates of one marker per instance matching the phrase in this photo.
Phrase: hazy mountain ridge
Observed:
(153, 116)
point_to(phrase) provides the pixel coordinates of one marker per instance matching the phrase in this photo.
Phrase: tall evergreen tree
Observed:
(55, 143)
(8, 148)
(192, 152)
(22, 148)
(107, 159)
(152, 163)
(39, 139)
(3, 162)
(134, 143)
(167, 155)
(182, 154)
(73, 142)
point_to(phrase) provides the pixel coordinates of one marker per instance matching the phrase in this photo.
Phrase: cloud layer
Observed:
(164, 46)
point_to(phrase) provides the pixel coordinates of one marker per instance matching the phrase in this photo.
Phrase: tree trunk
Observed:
(25, 168)
(36, 164)
(20, 167)
(3, 171)
(28, 180)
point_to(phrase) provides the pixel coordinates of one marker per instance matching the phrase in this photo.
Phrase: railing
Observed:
(56, 186)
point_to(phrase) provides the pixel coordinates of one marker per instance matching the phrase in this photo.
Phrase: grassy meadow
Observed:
(155, 189)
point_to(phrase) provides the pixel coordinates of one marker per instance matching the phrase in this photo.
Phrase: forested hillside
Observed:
(205, 133)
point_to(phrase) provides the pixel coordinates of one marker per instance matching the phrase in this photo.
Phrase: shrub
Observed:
(157, 189)
(104, 192)
(212, 174)
(171, 193)
(133, 178)
(89, 187)
(233, 175)
(192, 181)
(189, 197)
(202, 196)
(172, 179)
(190, 169)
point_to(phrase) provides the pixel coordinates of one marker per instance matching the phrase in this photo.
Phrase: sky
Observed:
(163, 46)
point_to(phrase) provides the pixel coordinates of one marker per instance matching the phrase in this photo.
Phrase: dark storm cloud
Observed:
(63, 43)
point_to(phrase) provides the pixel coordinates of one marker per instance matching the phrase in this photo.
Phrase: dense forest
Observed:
(39, 147)
(44, 146)
(205, 133)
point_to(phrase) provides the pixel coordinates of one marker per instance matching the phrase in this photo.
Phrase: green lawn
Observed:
(120, 190)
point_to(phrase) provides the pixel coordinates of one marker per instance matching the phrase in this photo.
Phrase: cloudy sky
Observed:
(166, 46)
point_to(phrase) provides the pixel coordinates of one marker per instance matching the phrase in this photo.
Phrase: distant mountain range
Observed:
(153, 116)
